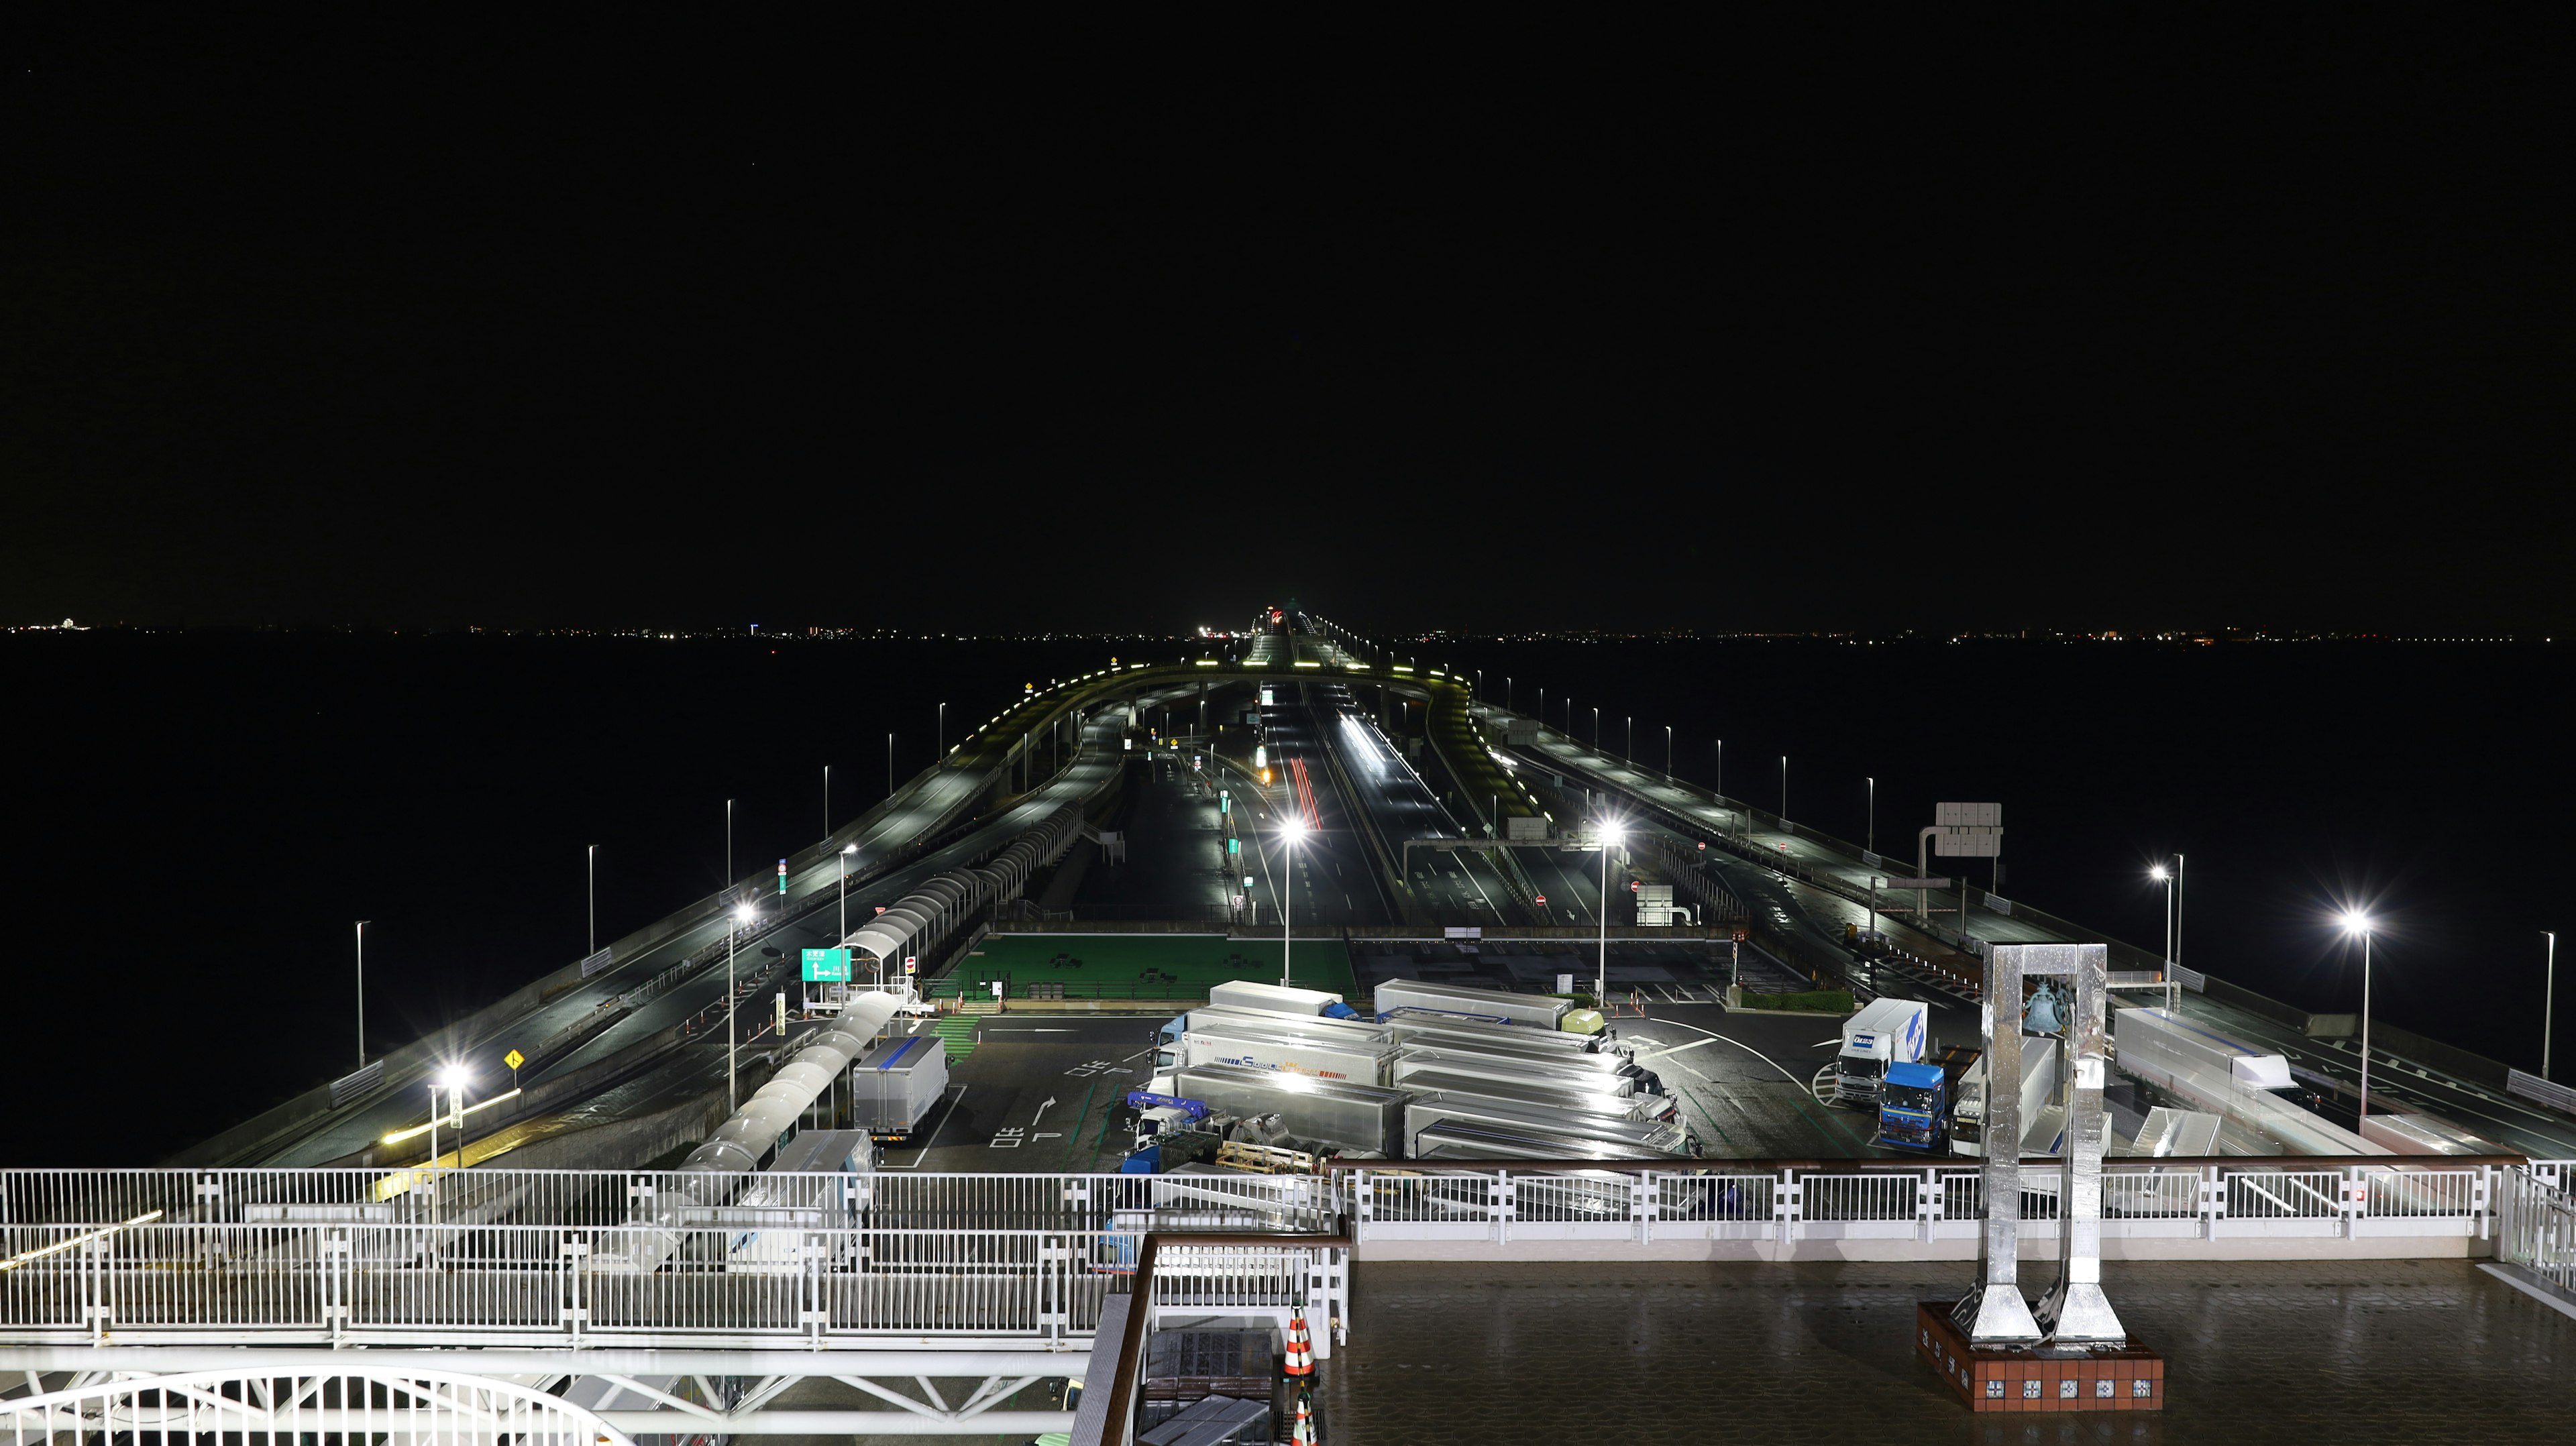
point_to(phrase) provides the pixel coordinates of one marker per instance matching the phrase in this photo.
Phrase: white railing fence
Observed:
(413, 1408)
(2536, 1224)
(1936, 1202)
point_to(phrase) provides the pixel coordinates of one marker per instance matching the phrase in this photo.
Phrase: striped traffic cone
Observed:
(1304, 1435)
(1301, 1350)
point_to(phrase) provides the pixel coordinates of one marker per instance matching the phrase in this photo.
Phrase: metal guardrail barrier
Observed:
(502, 1257)
(2536, 1224)
(2188, 1199)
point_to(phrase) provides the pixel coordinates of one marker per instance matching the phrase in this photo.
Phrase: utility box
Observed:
(894, 1086)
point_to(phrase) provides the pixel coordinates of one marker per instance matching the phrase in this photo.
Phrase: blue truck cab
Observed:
(1914, 1107)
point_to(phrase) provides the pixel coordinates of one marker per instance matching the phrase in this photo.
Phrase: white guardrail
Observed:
(502, 1257)
(1935, 1203)
(532, 1257)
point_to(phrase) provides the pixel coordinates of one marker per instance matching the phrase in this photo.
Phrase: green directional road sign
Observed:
(827, 966)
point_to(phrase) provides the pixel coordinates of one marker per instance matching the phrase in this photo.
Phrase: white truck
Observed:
(1277, 999)
(2043, 1114)
(1280, 1044)
(894, 1086)
(1884, 1032)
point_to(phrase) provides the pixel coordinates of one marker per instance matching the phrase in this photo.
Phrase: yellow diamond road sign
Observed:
(514, 1059)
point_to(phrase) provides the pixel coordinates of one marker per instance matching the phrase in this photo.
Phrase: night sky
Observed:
(653, 322)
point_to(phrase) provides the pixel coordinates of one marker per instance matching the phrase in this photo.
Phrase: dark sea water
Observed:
(193, 822)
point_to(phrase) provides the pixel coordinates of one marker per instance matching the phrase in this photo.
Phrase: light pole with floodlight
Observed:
(2548, 1000)
(844, 857)
(1610, 836)
(733, 939)
(362, 999)
(1872, 844)
(1291, 828)
(2164, 876)
(2357, 922)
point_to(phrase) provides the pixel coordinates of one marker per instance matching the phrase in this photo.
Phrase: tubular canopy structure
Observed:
(944, 901)
(717, 1170)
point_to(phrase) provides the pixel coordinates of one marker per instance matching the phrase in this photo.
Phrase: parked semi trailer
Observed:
(1538, 1011)
(894, 1086)
(1351, 1117)
(1544, 1094)
(1279, 1043)
(1665, 1138)
(1431, 1026)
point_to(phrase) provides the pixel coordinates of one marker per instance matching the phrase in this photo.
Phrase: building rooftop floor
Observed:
(2406, 1350)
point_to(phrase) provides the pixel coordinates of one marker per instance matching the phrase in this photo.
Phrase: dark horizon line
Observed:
(851, 633)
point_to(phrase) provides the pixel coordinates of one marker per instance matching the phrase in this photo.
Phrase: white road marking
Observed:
(924, 1152)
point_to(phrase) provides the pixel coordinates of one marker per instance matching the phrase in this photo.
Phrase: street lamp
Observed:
(844, 857)
(733, 939)
(1872, 844)
(1291, 829)
(1784, 790)
(593, 853)
(2357, 922)
(2548, 1001)
(939, 740)
(827, 800)
(728, 843)
(1596, 730)
(362, 999)
(1610, 836)
(1668, 753)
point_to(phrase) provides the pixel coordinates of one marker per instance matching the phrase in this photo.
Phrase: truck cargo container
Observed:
(1276, 1042)
(1317, 1026)
(1430, 1024)
(1423, 1111)
(1884, 1032)
(1278, 999)
(1537, 1011)
(1343, 1115)
(1460, 1140)
(1916, 1100)
(817, 1182)
(894, 1086)
(1544, 1094)
(1624, 1081)
(2043, 1118)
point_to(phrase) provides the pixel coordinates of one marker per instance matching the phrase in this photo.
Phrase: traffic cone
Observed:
(1304, 1435)
(1301, 1350)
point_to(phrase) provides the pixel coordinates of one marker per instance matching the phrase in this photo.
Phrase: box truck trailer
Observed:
(1276, 1043)
(1663, 1137)
(894, 1086)
(1537, 1011)
(1884, 1032)
(1348, 1116)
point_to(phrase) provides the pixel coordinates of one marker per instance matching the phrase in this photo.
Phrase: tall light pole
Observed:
(2548, 1003)
(1719, 788)
(939, 740)
(1872, 843)
(1784, 790)
(2357, 922)
(2164, 876)
(1507, 694)
(2174, 953)
(889, 766)
(362, 999)
(1596, 730)
(1631, 753)
(728, 843)
(844, 857)
(1291, 828)
(733, 939)
(1668, 753)
(827, 800)
(1610, 836)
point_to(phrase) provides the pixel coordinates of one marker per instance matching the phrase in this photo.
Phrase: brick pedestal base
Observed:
(2048, 1378)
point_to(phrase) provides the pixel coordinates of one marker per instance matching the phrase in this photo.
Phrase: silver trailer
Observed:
(1317, 1025)
(1591, 1073)
(1459, 1140)
(1328, 1112)
(1431, 1026)
(1277, 1042)
(818, 1182)
(894, 1086)
(1664, 1138)
(1271, 998)
(1544, 1094)
(1539, 1011)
